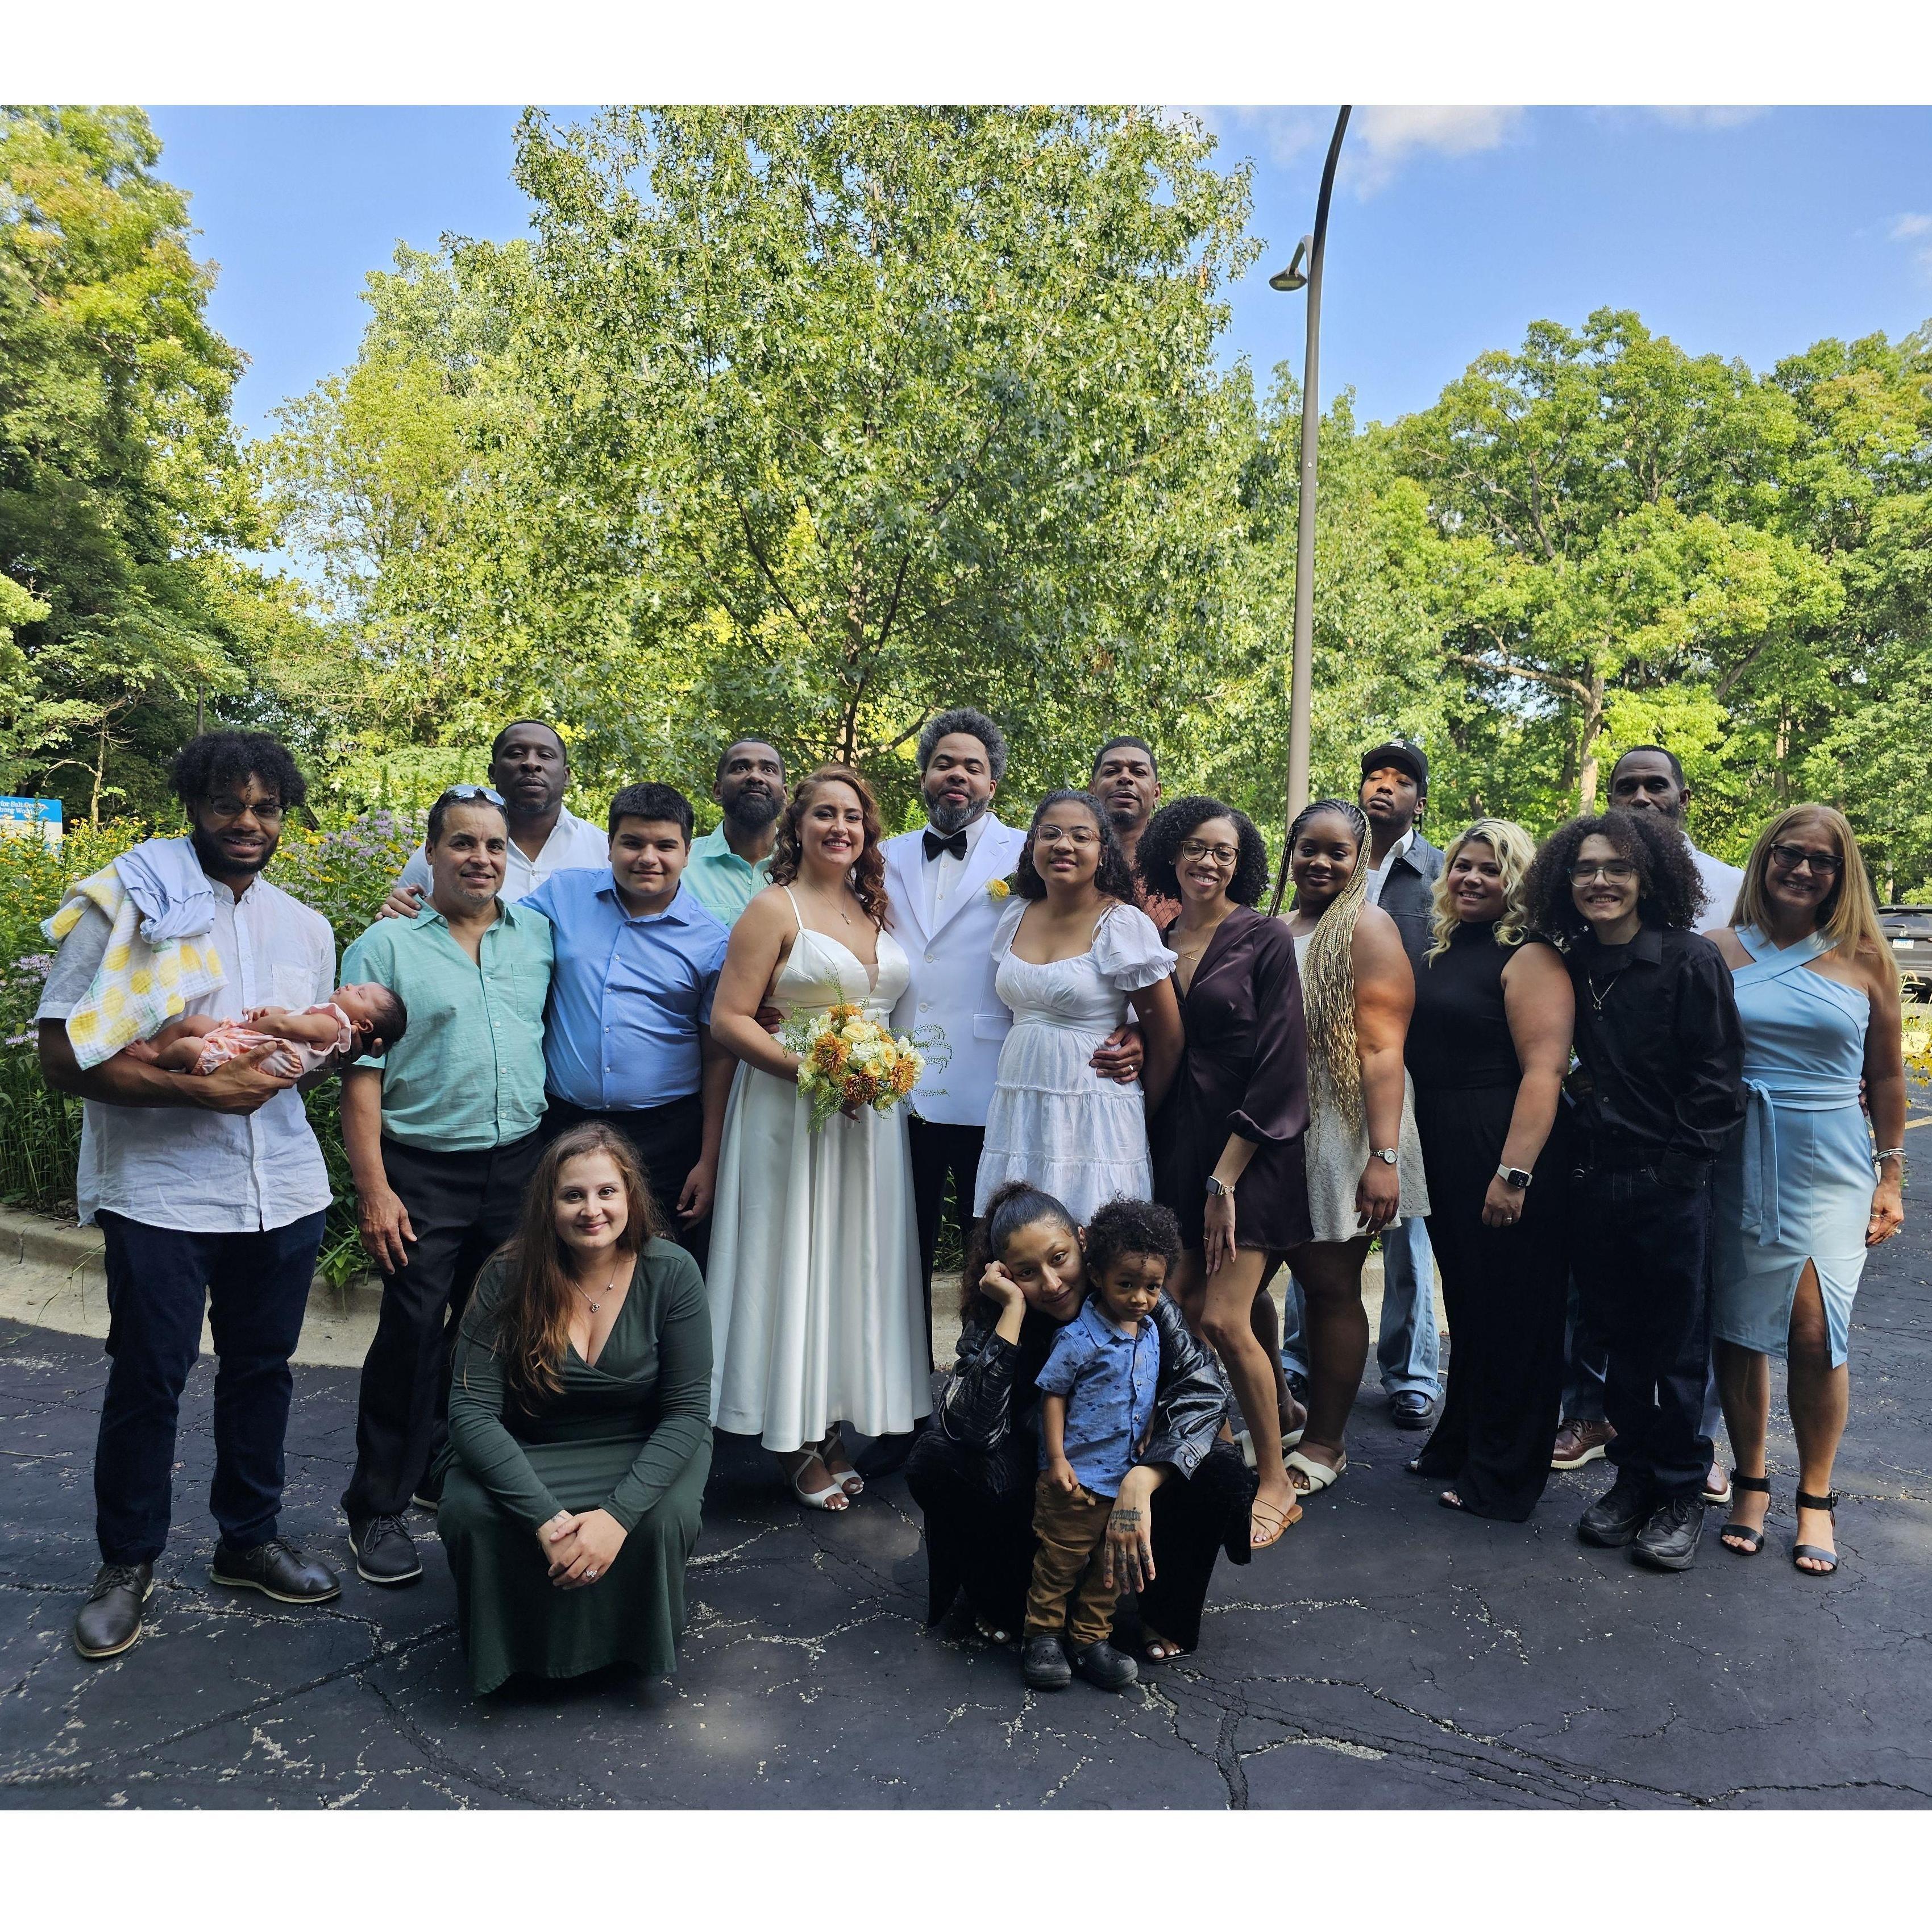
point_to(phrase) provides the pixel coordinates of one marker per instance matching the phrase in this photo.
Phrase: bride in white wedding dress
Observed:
(818, 1312)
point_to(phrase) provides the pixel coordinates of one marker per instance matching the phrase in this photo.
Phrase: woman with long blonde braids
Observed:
(1364, 1163)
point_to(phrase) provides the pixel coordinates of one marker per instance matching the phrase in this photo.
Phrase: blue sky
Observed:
(1749, 233)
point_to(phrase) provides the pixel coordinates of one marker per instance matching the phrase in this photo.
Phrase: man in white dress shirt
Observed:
(208, 1189)
(1649, 779)
(529, 771)
(1645, 778)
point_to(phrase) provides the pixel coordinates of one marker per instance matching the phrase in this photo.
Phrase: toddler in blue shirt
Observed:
(1098, 1386)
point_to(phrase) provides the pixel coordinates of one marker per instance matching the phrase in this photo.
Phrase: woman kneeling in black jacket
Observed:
(973, 1473)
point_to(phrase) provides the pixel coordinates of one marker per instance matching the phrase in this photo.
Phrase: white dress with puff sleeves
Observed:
(1054, 1121)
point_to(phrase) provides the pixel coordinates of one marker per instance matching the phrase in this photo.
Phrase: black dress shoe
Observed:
(1100, 1663)
(1043, 1664)
(278, 1570)
(110, 1620)
(384, 1553)
(1669, 1541)
(1410, 1408)
(1297, 1387)
(1615, 1518)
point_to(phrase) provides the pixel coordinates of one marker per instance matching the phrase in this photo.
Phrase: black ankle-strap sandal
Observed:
(1829, 1557)
(1756, 1486)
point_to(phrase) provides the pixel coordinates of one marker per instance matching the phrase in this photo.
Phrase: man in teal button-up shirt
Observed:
(442, 1136)
(734, 861)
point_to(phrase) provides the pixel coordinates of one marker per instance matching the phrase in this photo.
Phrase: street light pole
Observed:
(1301, 685)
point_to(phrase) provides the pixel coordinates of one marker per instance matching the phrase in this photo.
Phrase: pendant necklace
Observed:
(595, 1306)
(839, 906)
(1597, 999)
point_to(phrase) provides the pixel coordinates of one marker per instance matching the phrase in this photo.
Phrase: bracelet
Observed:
(1889, 1153)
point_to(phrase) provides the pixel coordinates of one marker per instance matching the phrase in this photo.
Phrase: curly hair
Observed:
(1328, 970)
(1172, 824)
(218, 760)
(867, 876)
(1516, 852)
(973, 724)
(1112, 876)
(1125, 1226)
(1670, 893)
(1017, 1204)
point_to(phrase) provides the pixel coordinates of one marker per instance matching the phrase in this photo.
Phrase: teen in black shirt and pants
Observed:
(1658, 1091)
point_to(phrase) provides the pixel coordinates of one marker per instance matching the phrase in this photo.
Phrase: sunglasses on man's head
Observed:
(457, 794)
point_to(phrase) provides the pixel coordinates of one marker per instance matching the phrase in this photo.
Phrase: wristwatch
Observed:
(1384, 1153)
(1516, 1176)
(1215, 1186)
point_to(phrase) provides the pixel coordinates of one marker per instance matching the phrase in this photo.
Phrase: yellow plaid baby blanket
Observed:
(139, 988)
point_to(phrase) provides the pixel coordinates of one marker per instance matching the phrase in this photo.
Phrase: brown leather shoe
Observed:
(1578, 1442)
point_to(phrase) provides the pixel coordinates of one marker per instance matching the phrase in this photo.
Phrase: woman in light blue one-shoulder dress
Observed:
(1799, 1186)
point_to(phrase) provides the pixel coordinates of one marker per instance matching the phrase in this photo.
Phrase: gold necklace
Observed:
(839, 906)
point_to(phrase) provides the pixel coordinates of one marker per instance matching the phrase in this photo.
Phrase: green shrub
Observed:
(344, 872)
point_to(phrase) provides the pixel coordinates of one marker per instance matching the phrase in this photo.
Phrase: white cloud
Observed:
(1733, 116)
(1915, 229)
(1281, 134)
(1384, 138)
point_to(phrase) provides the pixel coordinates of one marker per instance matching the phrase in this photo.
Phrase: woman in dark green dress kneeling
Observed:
(579, 1429)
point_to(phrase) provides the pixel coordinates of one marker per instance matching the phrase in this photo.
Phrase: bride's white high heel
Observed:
(831, 1497)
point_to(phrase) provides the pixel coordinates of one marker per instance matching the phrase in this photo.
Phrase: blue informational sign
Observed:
(31, 818)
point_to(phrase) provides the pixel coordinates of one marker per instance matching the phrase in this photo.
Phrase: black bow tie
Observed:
(936, 843)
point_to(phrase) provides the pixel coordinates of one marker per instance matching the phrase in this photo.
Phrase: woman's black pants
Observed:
(1505, 1291)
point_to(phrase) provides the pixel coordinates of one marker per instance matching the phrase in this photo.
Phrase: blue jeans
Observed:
(257, 1289)
(1588, 1358)
(1407, 1349)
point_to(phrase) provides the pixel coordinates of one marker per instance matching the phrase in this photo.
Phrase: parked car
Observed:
(1909, 930)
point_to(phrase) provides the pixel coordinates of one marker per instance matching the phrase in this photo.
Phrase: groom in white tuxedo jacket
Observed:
(946, 885)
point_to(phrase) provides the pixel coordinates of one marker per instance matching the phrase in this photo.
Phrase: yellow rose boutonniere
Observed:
(997, 889)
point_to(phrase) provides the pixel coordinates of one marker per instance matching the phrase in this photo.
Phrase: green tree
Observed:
(123, 498)
(1609, 560)
(848, 413)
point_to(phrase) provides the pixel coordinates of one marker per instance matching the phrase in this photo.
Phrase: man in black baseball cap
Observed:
(1404, 867)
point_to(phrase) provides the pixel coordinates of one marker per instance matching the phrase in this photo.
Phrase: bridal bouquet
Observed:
(847, 1060)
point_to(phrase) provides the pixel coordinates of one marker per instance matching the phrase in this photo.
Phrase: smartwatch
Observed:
(1217, 1187)
(1515, 1176)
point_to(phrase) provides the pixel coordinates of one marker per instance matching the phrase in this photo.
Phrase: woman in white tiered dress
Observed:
(1075, 952)
(818, 1312)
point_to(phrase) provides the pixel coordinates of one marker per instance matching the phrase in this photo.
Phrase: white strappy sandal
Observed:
(817, 1499)
(1315, 1476)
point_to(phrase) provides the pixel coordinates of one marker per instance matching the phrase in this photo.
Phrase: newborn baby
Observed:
(359, 1019)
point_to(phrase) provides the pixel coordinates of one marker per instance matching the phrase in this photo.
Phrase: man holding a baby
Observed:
(202, 1183)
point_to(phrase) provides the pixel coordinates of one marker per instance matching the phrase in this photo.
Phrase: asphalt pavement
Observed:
(1386, 1653)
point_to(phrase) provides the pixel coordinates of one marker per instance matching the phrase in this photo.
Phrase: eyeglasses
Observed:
(228, 808)
(1066, 834)
(1221, 855)
(458, 794)
(1582, 873)
(1826, 864)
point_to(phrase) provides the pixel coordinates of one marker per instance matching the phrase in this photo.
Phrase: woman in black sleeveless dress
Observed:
(1487, 1049)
